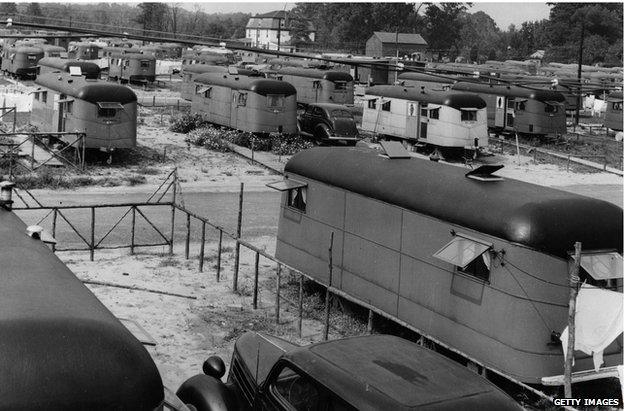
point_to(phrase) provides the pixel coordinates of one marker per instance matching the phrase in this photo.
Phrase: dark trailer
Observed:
(613, 114)
(477, 262)
(528, 111)
(61, 348)
(318, 86)
(88, 69)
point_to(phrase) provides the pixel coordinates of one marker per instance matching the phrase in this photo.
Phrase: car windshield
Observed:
(341, 113)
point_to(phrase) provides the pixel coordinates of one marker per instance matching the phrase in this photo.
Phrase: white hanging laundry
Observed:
(597, 323)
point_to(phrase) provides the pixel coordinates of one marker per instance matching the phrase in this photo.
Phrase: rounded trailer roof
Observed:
(446, 98)
(239, 82)
(64, 64)
(510, 91)
(93, 91)
(538, 217)
(61, 348)
(331, 75)
(133, 56)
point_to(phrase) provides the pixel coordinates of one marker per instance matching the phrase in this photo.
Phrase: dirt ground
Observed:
(186, 330)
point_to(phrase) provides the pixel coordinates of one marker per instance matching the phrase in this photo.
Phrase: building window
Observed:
(275, 100)
(297, 198)
(386, 106)
(372, 104)
(468, 115)
(469, 256)
(434, 113)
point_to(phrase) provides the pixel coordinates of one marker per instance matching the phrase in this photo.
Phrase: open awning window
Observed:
(462, 250)
(116, 106)
(285, 185)
(602, 266)
(202, 90)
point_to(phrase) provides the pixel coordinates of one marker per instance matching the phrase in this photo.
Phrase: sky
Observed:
(503, 13)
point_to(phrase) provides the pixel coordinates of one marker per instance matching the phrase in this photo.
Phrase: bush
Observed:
(187, 122)
(210, 138)
(288, 145)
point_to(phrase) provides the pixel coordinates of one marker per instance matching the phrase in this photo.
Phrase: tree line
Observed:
(450, 29)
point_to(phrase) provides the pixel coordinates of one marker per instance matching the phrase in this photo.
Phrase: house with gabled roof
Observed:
(270, 29)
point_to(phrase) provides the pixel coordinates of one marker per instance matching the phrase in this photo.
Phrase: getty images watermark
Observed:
(577, 402)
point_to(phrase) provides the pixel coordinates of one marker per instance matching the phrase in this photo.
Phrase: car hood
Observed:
(345, 127)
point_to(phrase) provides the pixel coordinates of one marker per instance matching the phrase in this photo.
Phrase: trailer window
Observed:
(44, 96)
(372, 104)
(69, 107)
(521, 105)
(340, 85)
(468, 115)
(275, 100)
(242, 99)
(297, 198)
(434, 113)
(549, 108)
(468, 255)
(106, 112)
(617, 106)
(386, 106)
(32, 57)
(145, 63)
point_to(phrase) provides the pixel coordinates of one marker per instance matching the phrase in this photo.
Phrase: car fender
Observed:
(207, 393)
(322, 130)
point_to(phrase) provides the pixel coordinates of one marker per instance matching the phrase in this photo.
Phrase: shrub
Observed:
(210, 138)
(187, 122)
(288, 145)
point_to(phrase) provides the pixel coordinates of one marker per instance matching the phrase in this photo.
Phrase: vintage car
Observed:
(328, 123)
(373, 372)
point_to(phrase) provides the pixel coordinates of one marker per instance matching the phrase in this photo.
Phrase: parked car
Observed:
(328, 123)
(373, 372)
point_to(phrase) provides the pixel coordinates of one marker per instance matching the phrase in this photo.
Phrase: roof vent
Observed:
(484, 173)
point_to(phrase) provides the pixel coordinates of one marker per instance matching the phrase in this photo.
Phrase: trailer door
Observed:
(411, 120)
(499, 118)
(234, 109)
(510, 114)
(424, 121)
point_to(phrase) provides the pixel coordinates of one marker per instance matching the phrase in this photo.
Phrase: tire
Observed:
(322, 133)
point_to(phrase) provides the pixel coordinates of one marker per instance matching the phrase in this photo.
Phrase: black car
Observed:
(328, 123)
(373, 372)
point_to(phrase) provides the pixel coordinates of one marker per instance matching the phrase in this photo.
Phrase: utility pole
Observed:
(396, 44)
(574, 281)
(580, 72)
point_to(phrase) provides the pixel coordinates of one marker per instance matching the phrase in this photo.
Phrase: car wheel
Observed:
(322, 133)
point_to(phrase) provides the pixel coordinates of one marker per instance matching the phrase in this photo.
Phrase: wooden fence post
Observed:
(277, 293)
(32, 153)
(327, 292)
(187, 243)
(238, 236)
(92, 247)
(173, 208)
(14, 117)
(132, 234)
(300, 321)
(574, 280)
(54, 215)
(256, 273)
(219, 255)
(202, 247)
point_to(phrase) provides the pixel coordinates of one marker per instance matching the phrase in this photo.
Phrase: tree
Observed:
(480, 35)
(153, 16)
(443, 26)
(8, 8)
